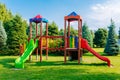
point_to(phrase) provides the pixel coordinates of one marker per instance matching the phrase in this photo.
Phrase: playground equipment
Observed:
(71, 44)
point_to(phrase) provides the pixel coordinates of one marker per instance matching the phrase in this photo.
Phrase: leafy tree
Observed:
(52, 29)
(4, 13)
(112, 47)
(3, 37)
(86, 34)
(16, 31)
(100, 37)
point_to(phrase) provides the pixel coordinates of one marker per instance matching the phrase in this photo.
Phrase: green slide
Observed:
(19, 62)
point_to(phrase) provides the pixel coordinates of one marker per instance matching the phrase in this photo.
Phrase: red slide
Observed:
(84, 45)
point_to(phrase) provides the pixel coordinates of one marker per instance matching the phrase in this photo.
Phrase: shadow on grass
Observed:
(95, 64)
(90, 54)
(61, 63)
(8, 62)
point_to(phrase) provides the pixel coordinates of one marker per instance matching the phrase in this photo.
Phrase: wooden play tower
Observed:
(67, 19)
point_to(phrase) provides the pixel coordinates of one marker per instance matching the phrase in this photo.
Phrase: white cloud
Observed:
(101, 14)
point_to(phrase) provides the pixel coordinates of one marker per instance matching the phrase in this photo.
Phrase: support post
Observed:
(30, 57)
(81, 53)
(46, 41)
(36, 36)
(41, 41)
(65, 53)
(79, 41)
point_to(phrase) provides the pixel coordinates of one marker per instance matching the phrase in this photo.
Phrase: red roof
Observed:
(38, 16)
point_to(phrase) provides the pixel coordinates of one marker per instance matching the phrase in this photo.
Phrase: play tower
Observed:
(68, 19)
(39, 20)
(42, 42)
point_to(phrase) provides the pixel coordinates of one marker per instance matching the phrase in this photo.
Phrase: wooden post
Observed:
(46, 41)
(41, 41)
(30, 57)
(36, 36)
(65, 53)
(79, 41)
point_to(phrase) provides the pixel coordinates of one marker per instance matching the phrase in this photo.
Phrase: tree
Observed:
(100, 37)
(112, 47)
(4, 13)
(3, 37)
(16, 31)
(52, 29)
(86, 34)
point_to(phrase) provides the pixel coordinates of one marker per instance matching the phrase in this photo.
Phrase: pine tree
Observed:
(86, 34)
(16, 31)
(112, 47)
(3, 37)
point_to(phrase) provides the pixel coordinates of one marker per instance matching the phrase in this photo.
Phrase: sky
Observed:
(96, 13)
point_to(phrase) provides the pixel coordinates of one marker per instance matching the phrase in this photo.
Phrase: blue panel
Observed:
(38, 20)
(76, 41)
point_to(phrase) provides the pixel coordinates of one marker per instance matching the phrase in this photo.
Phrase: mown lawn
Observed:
(54, 68)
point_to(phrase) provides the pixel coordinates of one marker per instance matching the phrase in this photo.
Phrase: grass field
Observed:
(91, 68)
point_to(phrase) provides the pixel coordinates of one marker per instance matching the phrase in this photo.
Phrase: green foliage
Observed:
(112, 47)
(52, 29)
(5, 14)
(100, 37)
(86, 34)
(16, 31)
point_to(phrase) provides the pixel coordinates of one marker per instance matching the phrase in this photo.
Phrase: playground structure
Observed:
(41, 42)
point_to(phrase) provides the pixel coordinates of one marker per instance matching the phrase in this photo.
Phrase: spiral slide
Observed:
(84, 45)
(19, 62)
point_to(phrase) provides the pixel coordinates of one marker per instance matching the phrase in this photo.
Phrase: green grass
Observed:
(54, 69)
